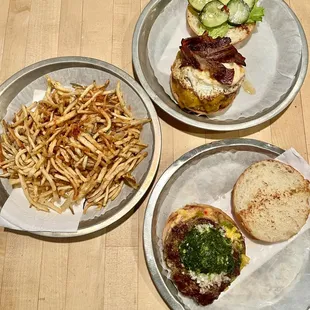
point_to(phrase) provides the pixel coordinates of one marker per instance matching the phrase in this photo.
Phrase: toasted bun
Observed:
(236, 34)
(191, 211)
(271, 201)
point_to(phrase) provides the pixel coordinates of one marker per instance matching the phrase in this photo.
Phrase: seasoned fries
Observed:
(75, 143)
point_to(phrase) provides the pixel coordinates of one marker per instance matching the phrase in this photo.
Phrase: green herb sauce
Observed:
(207, 252)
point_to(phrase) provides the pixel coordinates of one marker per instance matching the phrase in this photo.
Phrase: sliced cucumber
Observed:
(225, 2)
(250, 3)
(198, 4)
(213, 14)
(239, 12)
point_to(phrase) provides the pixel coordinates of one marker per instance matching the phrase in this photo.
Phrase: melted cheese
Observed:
(201, 82)
(232, 234)
(244, 260)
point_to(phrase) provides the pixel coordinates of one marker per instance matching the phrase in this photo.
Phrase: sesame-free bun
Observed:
(271, 201)
(236, 34)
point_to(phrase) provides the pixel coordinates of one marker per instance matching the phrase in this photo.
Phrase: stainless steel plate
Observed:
(157, 205)
(14, 85)
(150, 83)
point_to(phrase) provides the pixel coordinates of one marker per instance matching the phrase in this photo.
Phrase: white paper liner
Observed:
(209, 181)
(15, 211)
(273, 55)
(282, 283)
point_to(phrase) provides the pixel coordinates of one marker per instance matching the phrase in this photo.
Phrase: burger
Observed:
(235, 19)
(204, 250)
(206, 74)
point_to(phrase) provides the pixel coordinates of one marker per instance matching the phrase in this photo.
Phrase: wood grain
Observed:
(54, 270)
(42, 39)
(97, 29)
(21, 274)
(288, 129)
(121, 278)
(3, 238)
(70, 28)
(149, 298)
(303, 12)
(125, 15)
(15, 40)
(85, 273)
(185, 140)
(125, 234)
(4, 13)
(106, 270)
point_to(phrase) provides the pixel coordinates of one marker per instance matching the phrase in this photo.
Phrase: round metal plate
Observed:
(10, 88)
(151, 249)
(149, 82)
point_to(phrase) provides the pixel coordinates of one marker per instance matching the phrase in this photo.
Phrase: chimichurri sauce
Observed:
(207, 252)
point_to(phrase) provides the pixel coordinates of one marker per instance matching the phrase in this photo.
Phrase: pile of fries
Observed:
(78, 143)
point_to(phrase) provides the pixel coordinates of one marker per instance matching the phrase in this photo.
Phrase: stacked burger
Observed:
(209, 71)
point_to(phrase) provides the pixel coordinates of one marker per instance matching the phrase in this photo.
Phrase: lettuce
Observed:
(219, 31)
(256, 14)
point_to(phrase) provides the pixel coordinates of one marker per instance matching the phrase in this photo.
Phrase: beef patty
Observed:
(177, 257)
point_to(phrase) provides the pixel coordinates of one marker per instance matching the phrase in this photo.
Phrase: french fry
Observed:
(80, 143)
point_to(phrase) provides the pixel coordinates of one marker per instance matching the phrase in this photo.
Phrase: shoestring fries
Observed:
(76, 143)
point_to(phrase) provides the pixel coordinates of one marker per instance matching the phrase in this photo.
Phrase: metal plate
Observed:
(149, 82)
(10, 88)
(151, 248)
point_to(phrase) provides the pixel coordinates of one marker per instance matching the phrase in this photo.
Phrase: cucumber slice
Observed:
(225, 2)
(250, 3)
(198, 4)
(239, 12)
(213, 14)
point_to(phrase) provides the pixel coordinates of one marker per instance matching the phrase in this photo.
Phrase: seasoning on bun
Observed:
(271, 201)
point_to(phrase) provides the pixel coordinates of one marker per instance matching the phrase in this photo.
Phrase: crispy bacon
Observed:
(205, 53)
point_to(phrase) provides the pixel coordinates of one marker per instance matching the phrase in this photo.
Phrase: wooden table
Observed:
(106, 270)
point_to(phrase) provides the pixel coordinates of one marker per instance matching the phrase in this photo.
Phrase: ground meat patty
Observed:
(180, 276)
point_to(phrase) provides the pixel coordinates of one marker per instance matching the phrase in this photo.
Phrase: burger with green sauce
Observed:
(204, 250)
(235, 19)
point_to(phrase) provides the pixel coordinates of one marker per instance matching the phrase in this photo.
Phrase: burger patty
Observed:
(196, 91)
(189, 101)
(181, 276)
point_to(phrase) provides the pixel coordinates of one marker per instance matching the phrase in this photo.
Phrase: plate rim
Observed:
(303, 67)
(155, 274)
(134, 85)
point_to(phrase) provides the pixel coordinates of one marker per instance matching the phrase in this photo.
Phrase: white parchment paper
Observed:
(16, 213)
(210, 181)
(273, 55)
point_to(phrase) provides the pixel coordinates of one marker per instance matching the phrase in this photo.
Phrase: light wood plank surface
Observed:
(106, 270)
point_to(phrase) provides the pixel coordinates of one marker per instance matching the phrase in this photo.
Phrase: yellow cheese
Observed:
(233, 234)
(244, 260)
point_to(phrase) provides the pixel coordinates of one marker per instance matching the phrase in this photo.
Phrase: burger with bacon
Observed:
(207, 74)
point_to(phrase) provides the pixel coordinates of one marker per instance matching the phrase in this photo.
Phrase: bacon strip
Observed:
(205, 53)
